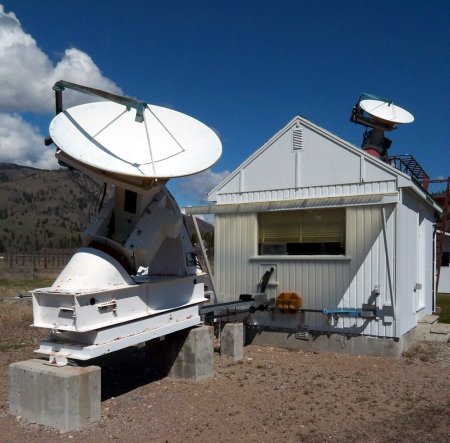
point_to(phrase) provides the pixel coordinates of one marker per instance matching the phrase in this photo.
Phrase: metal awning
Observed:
(306, 203)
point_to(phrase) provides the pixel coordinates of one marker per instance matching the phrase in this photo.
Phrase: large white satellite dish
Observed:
(386, 111)
(108, 137)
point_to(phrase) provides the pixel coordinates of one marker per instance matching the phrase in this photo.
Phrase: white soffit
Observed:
(307, 203)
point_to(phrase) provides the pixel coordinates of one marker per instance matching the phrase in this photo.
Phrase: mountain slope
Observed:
(11, 172)
(49, 209)
(42, 208)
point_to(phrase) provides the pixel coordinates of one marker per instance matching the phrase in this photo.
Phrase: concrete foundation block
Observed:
(440, 328)
(422, 332)
(438, 337)
(191, 353)
(429, 319)
(232, 341)
(65, 398)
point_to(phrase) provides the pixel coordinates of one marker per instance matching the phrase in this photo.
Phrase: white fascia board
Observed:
(419, 192)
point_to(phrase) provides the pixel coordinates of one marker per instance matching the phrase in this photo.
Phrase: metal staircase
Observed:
(410, 166)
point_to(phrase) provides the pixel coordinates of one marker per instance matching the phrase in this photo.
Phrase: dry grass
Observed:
(10, 287)
(14, 315)
(420, 351)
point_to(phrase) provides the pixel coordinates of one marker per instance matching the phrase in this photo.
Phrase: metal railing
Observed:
(409, 165)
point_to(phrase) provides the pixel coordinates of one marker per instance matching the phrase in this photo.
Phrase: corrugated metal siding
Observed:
(322, 282)
(410, 257)
(368, 265)
(235, 242)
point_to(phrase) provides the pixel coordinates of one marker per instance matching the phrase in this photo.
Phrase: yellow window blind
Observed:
(304, 226)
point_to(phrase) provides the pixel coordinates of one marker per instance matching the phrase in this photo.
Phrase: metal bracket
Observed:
(57, 360)
(128, 102)
(102, 307)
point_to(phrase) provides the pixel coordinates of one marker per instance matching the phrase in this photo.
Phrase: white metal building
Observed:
(339, 226)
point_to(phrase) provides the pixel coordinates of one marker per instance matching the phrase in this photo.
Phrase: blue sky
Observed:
(247, 68)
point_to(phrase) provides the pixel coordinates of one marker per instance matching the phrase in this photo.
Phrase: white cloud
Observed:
(77, 67)
(194, 189)
(22, 143)
(26, 79)
(27, 74)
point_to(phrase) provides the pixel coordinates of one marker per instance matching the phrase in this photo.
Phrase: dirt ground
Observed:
(273, 395)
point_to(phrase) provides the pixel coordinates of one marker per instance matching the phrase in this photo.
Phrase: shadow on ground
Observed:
(126, 370)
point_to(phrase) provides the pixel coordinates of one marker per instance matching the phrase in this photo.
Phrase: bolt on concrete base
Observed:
(65, 398)
(232, 341)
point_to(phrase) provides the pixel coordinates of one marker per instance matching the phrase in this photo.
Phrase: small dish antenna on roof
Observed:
(379, 115)
(385, 111)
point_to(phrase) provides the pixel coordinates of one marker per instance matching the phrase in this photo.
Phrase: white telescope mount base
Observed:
(62, 347)
(135, 277)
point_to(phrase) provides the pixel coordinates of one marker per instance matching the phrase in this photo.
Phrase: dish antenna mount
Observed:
(378, 115)
(136, 276)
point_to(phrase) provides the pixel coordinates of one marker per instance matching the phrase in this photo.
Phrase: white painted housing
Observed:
(388, 232)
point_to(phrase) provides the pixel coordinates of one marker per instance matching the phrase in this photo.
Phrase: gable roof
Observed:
(304, 155)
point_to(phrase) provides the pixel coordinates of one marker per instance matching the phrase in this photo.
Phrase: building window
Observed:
(304, 232)
(445, 259)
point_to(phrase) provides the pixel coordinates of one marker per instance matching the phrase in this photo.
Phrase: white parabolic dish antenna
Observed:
(386, 111)
(106, 136)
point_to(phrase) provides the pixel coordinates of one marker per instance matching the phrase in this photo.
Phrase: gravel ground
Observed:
(272, 395)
